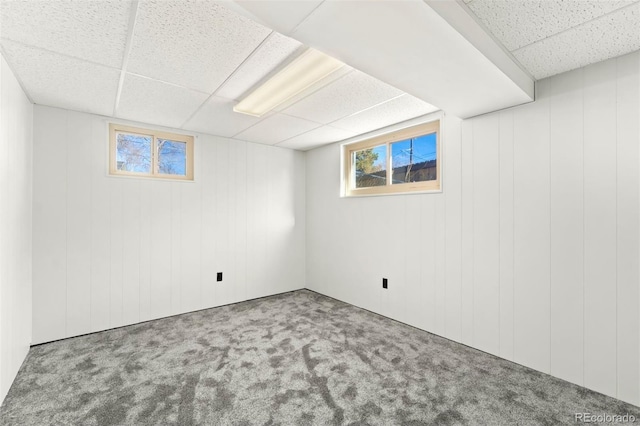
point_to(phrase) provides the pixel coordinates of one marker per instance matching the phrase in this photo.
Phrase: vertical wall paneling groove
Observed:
(78, 207)
(145, 251)
(161, 271)
(175, 245)
(428, 272)
(466, 302)
(112, 251)
(300, 217)
(452, 192)
(117, 235)
(16, 209)
(4, 195)
(49, 228)
(600, 226)
(628, 216)
(413, 257)
(486, 231)
(377, 235)
(531, 248)
(208, 240)
(241, 214)
(506, 171)
(252, 249)
(356, 222)
(271, 174)
(584, 345)
(537, 232)
(189, 256)
(413, 297)
(231, 280)
(259, 219)
(261, 180)
(440, 275)
(391, 232)
(296, 177)
(222, 171)
(131, 252)
(100, 225)
(567, 223)
(232, 201)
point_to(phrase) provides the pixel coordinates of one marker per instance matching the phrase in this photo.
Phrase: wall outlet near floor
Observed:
(219, 276)
(384, 283)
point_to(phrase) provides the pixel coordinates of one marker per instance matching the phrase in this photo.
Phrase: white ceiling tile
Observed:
(354, 92)
(276, 50)
(321, 136)
(91, 30)
(609, 36)
(216, 117)
(196, 44)
(334, 76)
(155, 102)
(60, 81)
(522, 22)
(386, 114)
(276, 128)
(410, 46)
(282, 16)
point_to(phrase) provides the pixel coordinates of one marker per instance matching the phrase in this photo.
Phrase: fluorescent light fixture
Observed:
(302, 73)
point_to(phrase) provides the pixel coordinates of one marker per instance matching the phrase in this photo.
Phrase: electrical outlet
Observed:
(219, 276)
(384, 283)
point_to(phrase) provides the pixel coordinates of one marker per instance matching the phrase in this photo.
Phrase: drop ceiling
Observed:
(186, 63)
(551, 37)
(416, 46)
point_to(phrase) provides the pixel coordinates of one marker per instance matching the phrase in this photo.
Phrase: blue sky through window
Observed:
(172, 157)
(381, 161)
(424, 149)
(133, 152)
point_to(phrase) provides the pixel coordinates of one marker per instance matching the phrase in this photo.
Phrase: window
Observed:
(143, 152)
(402, 161)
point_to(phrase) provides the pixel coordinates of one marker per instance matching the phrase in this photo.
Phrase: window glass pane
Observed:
(133, 152)
(371, 167)
(172, 157)
(414, 160)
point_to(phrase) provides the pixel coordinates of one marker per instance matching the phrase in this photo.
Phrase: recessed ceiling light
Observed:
(302, 73)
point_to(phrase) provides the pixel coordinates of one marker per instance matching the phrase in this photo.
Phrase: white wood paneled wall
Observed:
(112, 251)
(16, 124)
(531, 252)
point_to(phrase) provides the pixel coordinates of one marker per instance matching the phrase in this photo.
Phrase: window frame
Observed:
(348, 172)
(115, 128)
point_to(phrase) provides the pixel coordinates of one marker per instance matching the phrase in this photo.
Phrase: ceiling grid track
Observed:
(293, 30)
(577, 26)
(251, 55)
(61, 54)
(341, 118)
(127, 50)
(17, 76)
(294, 116)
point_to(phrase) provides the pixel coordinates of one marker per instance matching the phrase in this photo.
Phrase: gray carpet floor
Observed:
(293, 359)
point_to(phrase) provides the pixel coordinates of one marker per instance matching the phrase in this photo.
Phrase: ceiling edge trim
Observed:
(461, 18)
